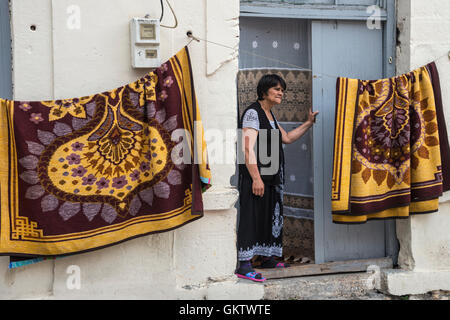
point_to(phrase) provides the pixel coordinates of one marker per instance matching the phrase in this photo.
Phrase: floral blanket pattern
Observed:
(84, 173)
(391, 149)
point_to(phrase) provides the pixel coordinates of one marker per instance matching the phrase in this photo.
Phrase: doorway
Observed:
(283, 47)
(311, 54)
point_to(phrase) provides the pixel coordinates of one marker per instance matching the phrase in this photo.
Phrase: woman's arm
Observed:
(249, 137)
(297, 133)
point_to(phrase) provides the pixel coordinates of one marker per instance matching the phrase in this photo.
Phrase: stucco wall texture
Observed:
(424, 255)
(64, 49)
(424, 37)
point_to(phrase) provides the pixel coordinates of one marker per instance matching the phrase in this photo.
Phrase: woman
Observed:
(261, 181)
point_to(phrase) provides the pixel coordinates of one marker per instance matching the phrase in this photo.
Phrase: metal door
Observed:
(345, 49)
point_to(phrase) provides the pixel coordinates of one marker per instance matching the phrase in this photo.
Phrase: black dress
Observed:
(260, 229)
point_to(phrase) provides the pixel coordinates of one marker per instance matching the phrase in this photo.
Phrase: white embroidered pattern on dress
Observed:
(260, 250)
(277, 223)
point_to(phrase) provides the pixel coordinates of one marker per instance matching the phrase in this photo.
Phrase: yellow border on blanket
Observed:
(404, 212)
(387, 214)
(4, 170)
(343, 144)
(424, 206)
(184, 77)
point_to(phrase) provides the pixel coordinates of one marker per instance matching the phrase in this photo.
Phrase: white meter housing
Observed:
(145, 43)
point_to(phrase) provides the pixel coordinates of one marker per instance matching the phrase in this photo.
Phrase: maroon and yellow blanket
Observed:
(84, 173)
(391, 152)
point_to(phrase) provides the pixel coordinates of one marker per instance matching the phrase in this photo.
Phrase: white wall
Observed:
(425, 36)
(54, 61)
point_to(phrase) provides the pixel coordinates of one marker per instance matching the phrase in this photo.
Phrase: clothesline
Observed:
(190, 35)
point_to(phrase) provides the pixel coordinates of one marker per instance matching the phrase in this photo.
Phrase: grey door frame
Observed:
(337, 12)
(5, 51)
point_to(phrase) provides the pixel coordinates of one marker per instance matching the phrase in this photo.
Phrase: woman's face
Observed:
(274, 95)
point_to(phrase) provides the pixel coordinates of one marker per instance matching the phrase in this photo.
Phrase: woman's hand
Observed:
(258, 187)
(297, 133)
(312, 116)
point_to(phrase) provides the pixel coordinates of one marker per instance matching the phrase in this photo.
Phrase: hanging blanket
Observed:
(391, 152)
(84, 173)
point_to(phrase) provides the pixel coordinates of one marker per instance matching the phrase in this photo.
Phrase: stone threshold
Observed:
(374, 265)
(349, 286)
(342, 280)
(353, 286)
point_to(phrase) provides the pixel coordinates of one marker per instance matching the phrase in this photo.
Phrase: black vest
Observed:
(264, 123)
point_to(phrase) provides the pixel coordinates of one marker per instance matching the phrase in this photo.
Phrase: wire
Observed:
(173, 12)
(162, 10)
(190, 35)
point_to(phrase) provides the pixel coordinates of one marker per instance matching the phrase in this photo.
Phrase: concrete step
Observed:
(351, 286)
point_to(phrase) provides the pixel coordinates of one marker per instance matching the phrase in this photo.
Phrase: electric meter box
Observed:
(145, 43)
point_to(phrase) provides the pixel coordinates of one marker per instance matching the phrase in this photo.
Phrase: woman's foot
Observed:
(271, 263)
(246, 271)
(254, 276)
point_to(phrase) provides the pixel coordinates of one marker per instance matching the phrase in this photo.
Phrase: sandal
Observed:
(254, 276)
(272, 263)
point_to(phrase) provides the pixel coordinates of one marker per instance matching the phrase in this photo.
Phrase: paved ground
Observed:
(353, 286)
